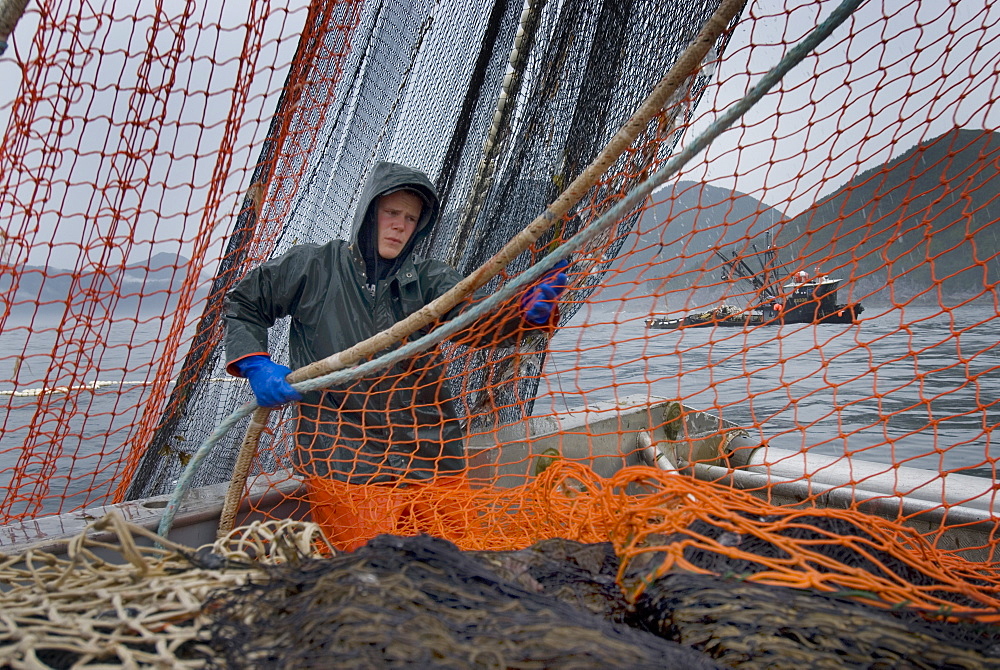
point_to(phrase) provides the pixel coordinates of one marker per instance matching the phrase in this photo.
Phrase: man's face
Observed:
(398, 214)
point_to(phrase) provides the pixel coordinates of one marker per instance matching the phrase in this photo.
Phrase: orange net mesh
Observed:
(792, 343)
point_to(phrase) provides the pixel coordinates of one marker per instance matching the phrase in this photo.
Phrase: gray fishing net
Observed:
(502, 104)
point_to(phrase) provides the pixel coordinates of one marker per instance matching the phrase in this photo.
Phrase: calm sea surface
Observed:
(918, 386)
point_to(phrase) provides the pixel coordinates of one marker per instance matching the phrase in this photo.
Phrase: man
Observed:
(402, 429)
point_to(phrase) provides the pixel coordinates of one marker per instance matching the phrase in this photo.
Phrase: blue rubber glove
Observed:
(539, 300)
(267, 379)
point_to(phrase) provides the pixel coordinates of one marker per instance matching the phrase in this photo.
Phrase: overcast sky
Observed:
(151, 158)
(914, 70)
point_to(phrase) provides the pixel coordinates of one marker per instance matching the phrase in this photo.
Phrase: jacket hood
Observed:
(385, 178)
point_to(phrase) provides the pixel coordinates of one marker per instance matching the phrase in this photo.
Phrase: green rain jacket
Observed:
(403, 424)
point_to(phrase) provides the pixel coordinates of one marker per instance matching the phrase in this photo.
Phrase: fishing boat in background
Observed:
(801, 299)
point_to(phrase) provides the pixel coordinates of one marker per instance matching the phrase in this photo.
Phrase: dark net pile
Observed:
(421, 83)
(420, 602)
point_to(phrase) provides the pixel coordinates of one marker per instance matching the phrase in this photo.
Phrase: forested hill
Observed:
(936, 202)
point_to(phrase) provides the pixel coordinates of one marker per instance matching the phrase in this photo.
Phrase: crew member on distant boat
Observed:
(401, 429)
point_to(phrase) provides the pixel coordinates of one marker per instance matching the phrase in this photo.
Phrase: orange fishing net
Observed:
(781, 365)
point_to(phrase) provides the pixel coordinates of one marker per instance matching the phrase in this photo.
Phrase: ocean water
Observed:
(915, 386)
(85, 430)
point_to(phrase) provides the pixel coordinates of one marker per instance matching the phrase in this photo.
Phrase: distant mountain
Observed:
(150, 287)
(673, 250)
(929, 215)
(926, 223)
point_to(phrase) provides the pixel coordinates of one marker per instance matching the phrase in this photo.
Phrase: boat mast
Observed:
(737, 267)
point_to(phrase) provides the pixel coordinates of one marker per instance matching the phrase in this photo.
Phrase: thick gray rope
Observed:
(631, 200)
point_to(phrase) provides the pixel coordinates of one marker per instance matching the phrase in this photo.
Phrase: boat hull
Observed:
(798, 302)
(809, 313)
